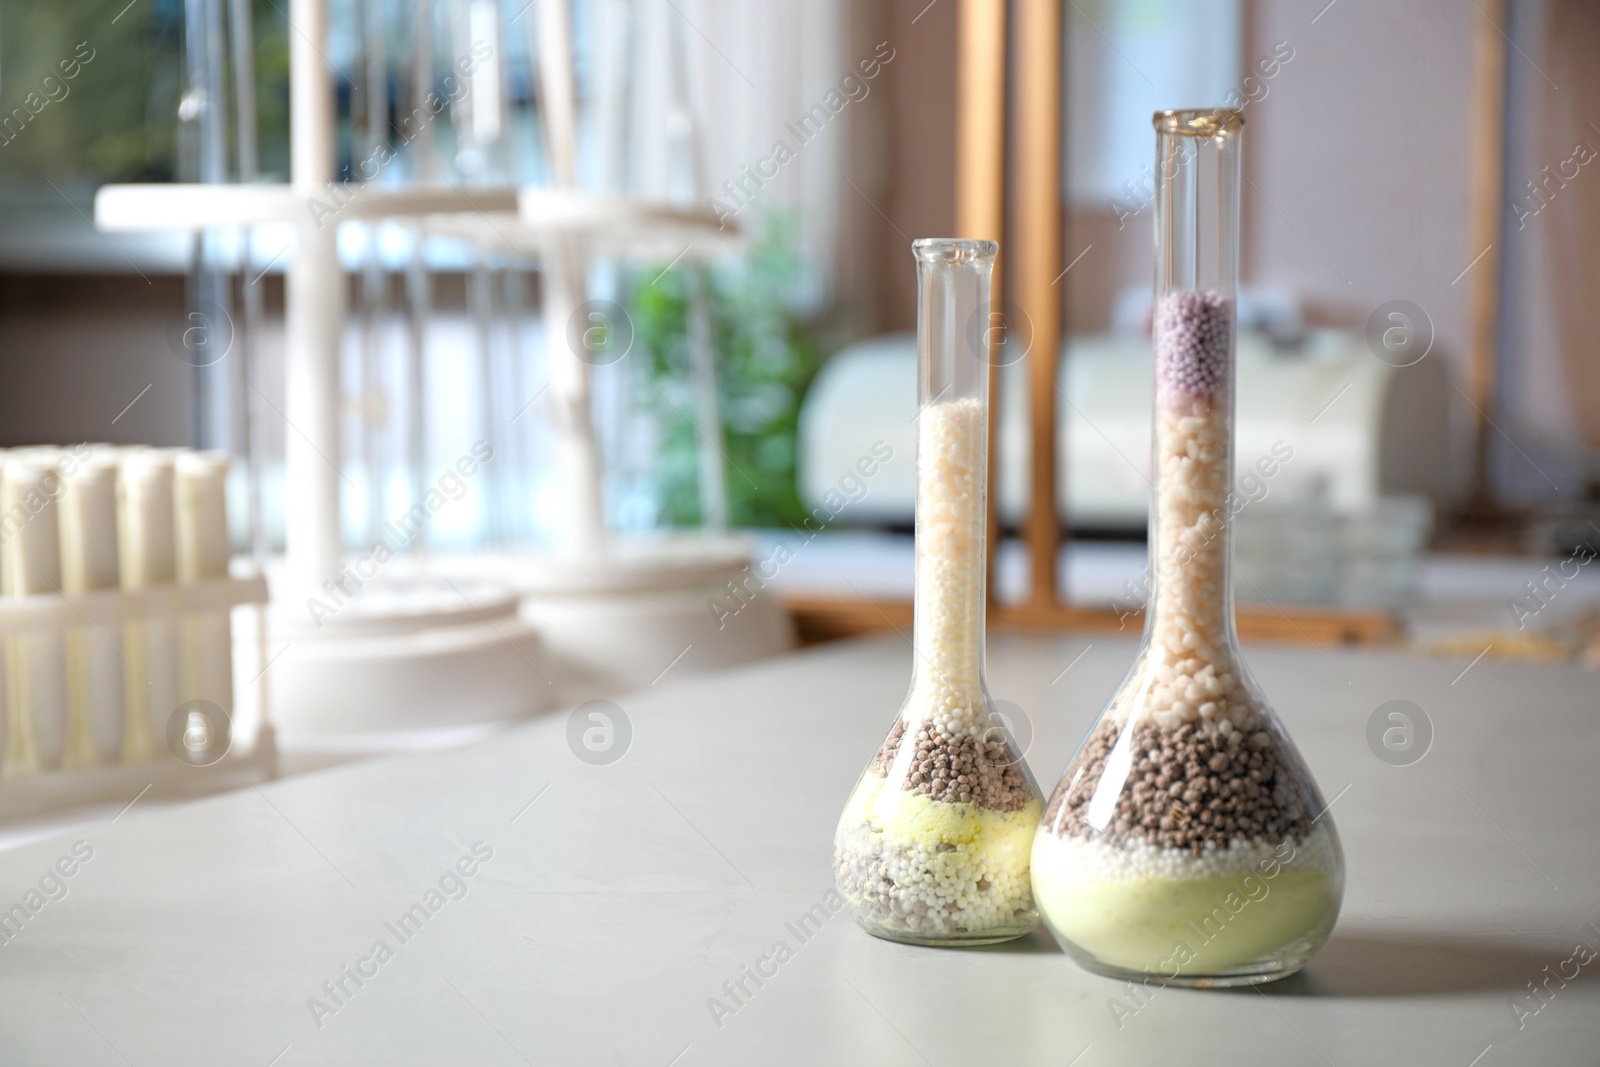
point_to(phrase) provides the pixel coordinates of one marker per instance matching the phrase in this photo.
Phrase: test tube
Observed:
(145, 520)
(205, 654)
(89, 562)
(37, 727)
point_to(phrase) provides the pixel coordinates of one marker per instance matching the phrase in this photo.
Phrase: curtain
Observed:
(1572, 45)
(719, 102)
(1549, 388)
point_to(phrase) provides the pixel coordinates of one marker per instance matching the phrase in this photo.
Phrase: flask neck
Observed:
(1193, 333)
(953, 361)
(1192, 502)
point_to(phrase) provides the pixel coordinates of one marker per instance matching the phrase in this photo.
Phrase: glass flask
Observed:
(1187, 841)
(933, 844)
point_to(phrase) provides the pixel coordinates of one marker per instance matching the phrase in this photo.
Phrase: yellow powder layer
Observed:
(910, 818)
(1200, 926)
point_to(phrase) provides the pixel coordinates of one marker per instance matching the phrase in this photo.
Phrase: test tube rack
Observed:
(116, 627)
(345, 678)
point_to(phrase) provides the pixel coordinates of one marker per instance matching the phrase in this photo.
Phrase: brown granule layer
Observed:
(1188, 787)
(963, 770)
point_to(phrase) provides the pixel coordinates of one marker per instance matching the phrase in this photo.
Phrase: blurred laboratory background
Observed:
(387, 371)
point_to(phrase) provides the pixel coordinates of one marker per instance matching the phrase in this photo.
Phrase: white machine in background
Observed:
(1356, 429)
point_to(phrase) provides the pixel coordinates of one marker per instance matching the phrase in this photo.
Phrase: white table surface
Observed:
(620, 898)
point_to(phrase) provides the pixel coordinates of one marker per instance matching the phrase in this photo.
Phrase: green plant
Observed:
(117, 117)
(766, 356)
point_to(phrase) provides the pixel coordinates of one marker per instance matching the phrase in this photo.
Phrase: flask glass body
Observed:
(1187, 839)
(934, 842)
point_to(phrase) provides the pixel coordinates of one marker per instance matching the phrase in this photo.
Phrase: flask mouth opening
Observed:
(1199, 121)
(953, 250)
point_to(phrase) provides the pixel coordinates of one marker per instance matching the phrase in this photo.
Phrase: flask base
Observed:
(906, 937)
(1262, 974)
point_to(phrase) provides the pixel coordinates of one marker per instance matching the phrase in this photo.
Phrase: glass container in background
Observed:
(1187, 839)
(933, 844)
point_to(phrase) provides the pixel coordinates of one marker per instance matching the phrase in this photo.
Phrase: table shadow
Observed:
(1415, 965)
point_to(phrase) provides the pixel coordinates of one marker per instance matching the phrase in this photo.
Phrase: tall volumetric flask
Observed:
(933, 844)
(1186, 842)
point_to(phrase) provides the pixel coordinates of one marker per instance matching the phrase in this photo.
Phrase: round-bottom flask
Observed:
(933, 844)
(1187, 840)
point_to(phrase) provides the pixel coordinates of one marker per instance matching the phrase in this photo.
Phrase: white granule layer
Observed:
(1189, 670)
(952, 527)
(934, 868)
(1093, 860)
(942, 889)
(969, 888)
